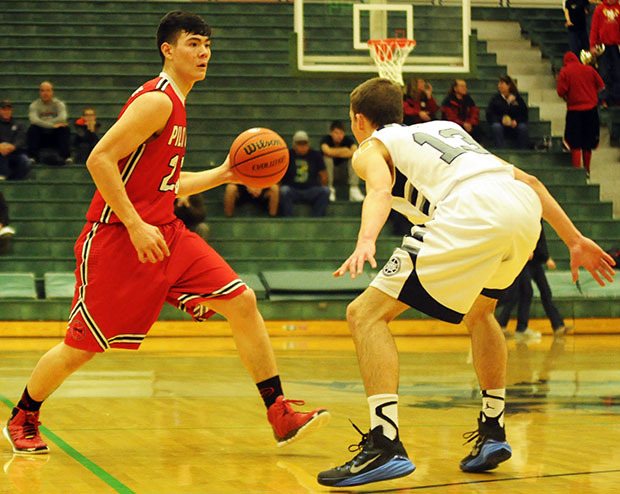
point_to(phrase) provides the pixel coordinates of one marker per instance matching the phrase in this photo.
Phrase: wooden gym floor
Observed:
(182, 416)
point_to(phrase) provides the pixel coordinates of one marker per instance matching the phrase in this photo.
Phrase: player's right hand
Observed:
(364, 251)
(148, 242)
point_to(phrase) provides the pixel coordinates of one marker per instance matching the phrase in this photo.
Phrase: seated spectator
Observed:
(6, 231)
(579, 85)
(418, 102)
(306, 178)
(49, 136)
(85, 137)
(14, 164)
(507, 115)
(237, 194)
(338, 148)
(191, 211)
(459, 107)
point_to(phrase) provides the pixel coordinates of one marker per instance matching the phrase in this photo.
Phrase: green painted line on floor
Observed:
(112, 481)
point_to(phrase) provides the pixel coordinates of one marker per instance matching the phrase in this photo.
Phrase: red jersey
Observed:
(151, 173)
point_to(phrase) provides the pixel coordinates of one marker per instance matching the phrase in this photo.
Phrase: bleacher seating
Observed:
(96, 56)
(17, 285)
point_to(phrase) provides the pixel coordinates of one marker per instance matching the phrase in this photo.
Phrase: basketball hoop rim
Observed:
(401, 42)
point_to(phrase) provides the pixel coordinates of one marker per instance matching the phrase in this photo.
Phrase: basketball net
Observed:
(389, 55)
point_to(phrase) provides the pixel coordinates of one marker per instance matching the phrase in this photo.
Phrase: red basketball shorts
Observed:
(117, 298)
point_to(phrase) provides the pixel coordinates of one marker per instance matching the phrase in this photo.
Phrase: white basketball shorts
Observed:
(478, 240)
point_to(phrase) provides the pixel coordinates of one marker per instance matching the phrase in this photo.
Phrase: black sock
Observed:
(270, 389)
(27, 403)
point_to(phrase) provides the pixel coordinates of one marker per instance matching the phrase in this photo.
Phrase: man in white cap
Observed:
(305, 179)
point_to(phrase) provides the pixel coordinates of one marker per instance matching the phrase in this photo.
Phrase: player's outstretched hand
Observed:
(149, 243)
(227, 174)
(586, 253)
(364, 251)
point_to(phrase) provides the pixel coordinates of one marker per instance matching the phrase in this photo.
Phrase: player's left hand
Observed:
(586, 253)
(364, 251)
(227, 175)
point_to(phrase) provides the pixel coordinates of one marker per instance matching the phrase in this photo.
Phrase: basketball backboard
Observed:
(332, 35)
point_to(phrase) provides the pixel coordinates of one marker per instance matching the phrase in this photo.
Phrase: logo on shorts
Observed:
(77, 330)
(392, 267)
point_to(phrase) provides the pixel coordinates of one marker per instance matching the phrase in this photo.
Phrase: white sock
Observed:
(493, 403)
(384, 411)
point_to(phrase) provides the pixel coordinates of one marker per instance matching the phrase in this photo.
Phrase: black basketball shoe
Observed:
(380, 458)
(490, 448)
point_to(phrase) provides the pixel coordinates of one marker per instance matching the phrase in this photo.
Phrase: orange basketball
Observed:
(259, 157)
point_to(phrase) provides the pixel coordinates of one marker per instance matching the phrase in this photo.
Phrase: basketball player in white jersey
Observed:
(478, 221)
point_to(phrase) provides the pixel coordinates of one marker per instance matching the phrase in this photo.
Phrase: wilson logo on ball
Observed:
(251, 148)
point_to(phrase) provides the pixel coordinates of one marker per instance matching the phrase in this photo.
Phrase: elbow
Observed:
(95, 161)
(532, 181)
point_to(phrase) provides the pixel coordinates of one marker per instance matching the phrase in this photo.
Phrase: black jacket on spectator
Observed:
(498, 107)
(13, 132)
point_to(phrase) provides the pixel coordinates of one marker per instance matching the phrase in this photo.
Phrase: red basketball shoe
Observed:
(22, 431)
(289, 425)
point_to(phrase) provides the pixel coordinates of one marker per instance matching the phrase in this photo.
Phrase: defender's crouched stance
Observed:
(479, 221)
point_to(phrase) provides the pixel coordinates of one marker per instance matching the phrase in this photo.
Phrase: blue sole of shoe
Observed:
(492, 456)
(393, 469)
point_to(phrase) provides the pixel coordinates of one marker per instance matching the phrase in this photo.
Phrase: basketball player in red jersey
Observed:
(134, 254)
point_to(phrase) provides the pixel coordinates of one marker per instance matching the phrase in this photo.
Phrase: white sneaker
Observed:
(7, 231)
(528, 334)
(355, 194)
(332, 194)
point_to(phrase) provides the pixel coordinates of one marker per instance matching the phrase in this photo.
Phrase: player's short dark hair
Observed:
(379, 100)
(175, 22)
(336, 124)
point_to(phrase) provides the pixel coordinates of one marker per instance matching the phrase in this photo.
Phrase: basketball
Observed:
(259, 157)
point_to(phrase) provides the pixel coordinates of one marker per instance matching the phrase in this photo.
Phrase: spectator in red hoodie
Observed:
(605, 30)
(579, 85)
(459, 107)
(418, 103)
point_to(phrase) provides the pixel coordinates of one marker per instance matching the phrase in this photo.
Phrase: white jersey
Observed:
(434, 157)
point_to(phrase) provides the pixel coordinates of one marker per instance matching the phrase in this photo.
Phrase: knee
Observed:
(479, 314)
(231, 190)
(284, 191)
(246, 303)
(355, 317)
